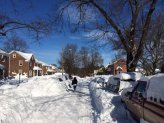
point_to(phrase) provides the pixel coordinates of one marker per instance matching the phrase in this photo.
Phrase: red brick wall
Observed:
(112, 69)
(120, 63)
(14, 65)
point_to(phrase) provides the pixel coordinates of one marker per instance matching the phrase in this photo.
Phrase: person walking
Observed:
(74, 83)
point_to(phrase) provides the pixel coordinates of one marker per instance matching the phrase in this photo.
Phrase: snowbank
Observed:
(108, 106)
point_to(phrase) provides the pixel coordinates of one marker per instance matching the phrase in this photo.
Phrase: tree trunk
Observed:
(131, 63)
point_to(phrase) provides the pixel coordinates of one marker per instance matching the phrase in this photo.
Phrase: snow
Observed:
(45, 99)
(27, 56)
(124, 76)
(108, 106)
(37, 68)
(3, 52)
(156, 87)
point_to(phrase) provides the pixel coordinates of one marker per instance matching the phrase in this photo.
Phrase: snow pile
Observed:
(44, 99)
(156, 87)
(18, 102)
(108, 106)
(129, 76)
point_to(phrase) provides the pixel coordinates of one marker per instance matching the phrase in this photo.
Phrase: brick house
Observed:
(37, 70)
(51, 70)
(21, 63)
(45, 67)
(119, 66)
(4, 64)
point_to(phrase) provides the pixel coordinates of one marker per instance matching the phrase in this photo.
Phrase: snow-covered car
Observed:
(100, 80)
(121, 81)
(146, 100)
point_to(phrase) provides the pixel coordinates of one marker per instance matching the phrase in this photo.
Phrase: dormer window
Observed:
(14, 55)
(20, 62)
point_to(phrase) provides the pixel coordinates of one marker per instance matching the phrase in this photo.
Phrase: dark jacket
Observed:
(74, 81)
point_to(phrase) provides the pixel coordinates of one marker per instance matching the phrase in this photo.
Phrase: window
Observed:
(20, 71)
(140, 89)
(14, 55)
(20, 62)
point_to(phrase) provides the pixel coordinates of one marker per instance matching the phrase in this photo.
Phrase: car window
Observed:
(140, 88)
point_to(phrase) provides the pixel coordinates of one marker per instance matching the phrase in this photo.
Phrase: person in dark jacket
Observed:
(74, 83)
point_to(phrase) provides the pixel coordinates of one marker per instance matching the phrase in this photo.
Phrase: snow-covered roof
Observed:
(3, 52)
(37, 68)
(44, 64)
(27, 56)
(119, 60)
(37, 61)
(50, 70)
(106, 66)
(53, 67)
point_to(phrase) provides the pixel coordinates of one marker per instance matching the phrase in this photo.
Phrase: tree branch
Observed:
(112, 23)
(145, 29)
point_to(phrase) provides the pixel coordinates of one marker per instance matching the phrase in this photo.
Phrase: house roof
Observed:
(53, 67)
(27, 56)
(3, 52)
(45, 64)
(119, 60)
(37, 61)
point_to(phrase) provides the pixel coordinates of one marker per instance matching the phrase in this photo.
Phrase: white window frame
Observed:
(14, 55)
(20, 62)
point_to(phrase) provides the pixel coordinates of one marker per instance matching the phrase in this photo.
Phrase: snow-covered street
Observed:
(46, 100)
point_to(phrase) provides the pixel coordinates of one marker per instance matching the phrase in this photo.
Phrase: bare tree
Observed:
(153, 52)
(80, 62)
(68, 58)
(15, 43)
(9, 23)
(113, 17)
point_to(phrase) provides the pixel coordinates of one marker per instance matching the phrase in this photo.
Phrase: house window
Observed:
(20, 62)
(14, 55)
(20, 71)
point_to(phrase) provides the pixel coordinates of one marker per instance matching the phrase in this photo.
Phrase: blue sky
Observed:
(49, 48)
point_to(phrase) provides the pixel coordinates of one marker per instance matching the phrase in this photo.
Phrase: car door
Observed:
(137, 100)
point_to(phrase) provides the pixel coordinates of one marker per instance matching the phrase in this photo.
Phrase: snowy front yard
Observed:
(46, 100)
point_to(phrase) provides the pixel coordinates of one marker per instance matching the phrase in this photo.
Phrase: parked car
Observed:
(122, 81)
(146, 100)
